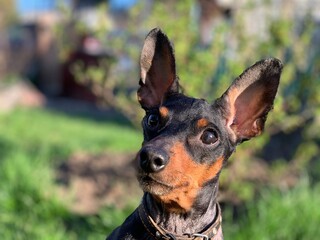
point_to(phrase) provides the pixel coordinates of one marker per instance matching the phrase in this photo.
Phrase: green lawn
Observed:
(33, 142)
(277, 215)
(38, 129)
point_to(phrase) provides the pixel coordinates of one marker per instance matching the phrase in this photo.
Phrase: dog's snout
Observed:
(153, 160)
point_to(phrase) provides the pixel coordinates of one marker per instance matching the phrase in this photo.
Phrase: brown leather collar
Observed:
(213, 232)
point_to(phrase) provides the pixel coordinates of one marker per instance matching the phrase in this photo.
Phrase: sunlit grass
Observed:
(31, 143)
(293, 214)
(32, 129)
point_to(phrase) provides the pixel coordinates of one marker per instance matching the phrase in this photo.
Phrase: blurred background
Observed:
(70, 123)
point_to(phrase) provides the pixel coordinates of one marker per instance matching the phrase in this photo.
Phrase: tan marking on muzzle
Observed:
(187, 177)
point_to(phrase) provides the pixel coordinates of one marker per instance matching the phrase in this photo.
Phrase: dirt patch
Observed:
(91, 181)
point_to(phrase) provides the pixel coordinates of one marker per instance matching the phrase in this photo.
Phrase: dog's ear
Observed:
(250, 97)
(158, 70)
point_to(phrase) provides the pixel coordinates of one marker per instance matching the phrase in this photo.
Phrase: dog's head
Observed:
(188, 140)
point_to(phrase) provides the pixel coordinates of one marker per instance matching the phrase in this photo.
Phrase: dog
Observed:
(187, 141)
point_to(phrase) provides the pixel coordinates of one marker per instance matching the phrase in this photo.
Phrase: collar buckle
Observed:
(199, 235)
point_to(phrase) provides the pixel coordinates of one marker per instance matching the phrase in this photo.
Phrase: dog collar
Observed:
(213, 231)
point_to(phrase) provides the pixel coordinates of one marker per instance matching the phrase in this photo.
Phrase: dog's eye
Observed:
(209, 136)
(153, 120)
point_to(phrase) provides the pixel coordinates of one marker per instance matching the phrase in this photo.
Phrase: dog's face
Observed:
(188, 140)
(185, 147)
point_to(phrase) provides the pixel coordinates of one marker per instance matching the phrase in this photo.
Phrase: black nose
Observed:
(152, 160)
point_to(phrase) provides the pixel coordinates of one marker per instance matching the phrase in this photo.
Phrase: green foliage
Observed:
(114, 217)
(31, 207)
(278, 215)
(25, 200)
(63, 135)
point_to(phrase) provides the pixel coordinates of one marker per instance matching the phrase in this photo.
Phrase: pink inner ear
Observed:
(250, 107)
(250, 97)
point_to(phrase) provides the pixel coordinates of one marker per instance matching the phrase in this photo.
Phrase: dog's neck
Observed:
(194, 221)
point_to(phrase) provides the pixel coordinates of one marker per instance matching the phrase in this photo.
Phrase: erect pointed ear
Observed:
(158, 70)
(249, 99)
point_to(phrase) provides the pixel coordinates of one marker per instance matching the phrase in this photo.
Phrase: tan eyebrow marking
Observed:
(164, 112)
(202, 122)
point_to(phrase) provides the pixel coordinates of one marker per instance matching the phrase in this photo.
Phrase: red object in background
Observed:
(90, 53)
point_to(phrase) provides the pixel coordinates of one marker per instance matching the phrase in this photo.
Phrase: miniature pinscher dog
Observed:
(187, 141)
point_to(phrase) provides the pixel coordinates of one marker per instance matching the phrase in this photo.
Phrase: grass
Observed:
(29, 129)
(33, 141)
(292, 214)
